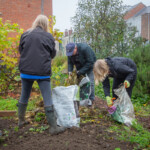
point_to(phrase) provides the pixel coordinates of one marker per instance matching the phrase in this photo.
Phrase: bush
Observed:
(141, 56)
(9, 41)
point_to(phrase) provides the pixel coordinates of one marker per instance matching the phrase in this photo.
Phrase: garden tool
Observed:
(52, 121)
(126, 84)
(21, 114)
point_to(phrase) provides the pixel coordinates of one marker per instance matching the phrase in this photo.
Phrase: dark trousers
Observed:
(45, 89)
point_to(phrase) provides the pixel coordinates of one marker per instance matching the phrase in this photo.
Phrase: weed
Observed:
(40, 129)
(16, 129)
(5, 132)
(5, 145)
(39, 116)
(20, 136)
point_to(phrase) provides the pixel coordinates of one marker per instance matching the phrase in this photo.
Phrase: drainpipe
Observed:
(42, 7)
(148, 28)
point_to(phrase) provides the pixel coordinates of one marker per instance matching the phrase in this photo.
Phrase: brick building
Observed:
(24, 12)
(139, 16)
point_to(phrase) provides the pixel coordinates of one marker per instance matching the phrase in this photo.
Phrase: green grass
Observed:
(141, 110)
(136, 134)
(10, 104)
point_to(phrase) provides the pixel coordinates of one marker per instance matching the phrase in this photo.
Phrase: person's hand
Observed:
(109, 100)
(70, 75)
(126, 84)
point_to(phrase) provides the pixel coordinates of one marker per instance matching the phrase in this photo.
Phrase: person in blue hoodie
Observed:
(37, 49)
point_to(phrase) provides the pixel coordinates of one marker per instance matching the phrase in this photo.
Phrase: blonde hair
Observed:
(42, 21)
(101, 70)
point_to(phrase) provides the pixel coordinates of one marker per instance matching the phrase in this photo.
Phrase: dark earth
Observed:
(90, 136)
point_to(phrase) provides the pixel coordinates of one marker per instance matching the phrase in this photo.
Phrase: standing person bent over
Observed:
(37, 49)
(122, 70)
(83, 57)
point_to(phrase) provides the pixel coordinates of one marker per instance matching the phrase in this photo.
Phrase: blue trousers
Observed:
(45, 89)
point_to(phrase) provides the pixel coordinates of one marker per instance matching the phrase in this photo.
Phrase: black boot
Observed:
(52, 121)
(21, 114)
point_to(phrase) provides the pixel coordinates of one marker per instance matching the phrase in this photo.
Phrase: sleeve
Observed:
(106, 86)
(20, 45)
(53, 50)
(124, 69)
(89, 61)
(70, 65)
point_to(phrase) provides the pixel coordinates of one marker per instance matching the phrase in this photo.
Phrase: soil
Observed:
(90, 136)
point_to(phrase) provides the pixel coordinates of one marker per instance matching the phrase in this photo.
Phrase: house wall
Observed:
(135, 21)
(145, 32)
(24, 12)
(134, 11)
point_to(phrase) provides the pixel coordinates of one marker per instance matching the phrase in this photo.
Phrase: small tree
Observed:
(55, 32)
(100, 23)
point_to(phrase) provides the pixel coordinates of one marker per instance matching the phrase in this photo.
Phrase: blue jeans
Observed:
(91, 77)
(45, 89)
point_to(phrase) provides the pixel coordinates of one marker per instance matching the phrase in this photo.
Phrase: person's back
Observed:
(125, 61)
(36, 49)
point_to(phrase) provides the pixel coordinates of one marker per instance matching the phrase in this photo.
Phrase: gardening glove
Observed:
(70, 75)
(109, 101)
(113, 99)
(126, 84)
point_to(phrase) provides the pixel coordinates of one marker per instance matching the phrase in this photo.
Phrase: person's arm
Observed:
(20, 45)
(52, 48)
(106, 87)
(70, 65)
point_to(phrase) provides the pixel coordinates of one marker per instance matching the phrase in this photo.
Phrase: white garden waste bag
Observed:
(64, 99)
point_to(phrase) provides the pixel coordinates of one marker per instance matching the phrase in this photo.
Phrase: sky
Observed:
(65, 9)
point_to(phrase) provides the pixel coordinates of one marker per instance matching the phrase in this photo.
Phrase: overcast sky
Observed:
(65, 9)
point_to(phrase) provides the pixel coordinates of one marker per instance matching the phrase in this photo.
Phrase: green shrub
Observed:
(9, 41)
(141, 56)
(59, 61)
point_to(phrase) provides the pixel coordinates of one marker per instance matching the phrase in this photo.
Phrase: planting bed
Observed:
(90, 136)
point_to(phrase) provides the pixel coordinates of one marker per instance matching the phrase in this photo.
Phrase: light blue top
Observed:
(27, 76)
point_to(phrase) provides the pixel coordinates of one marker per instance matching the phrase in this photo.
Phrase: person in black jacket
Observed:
(37, 49)
(83, 57)
(122, 70)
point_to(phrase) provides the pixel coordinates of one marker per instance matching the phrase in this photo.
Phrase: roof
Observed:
(132, 7)
(145, 10)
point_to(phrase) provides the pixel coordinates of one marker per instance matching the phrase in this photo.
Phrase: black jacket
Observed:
(86, 57)
(120, 68)
(36, 48)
